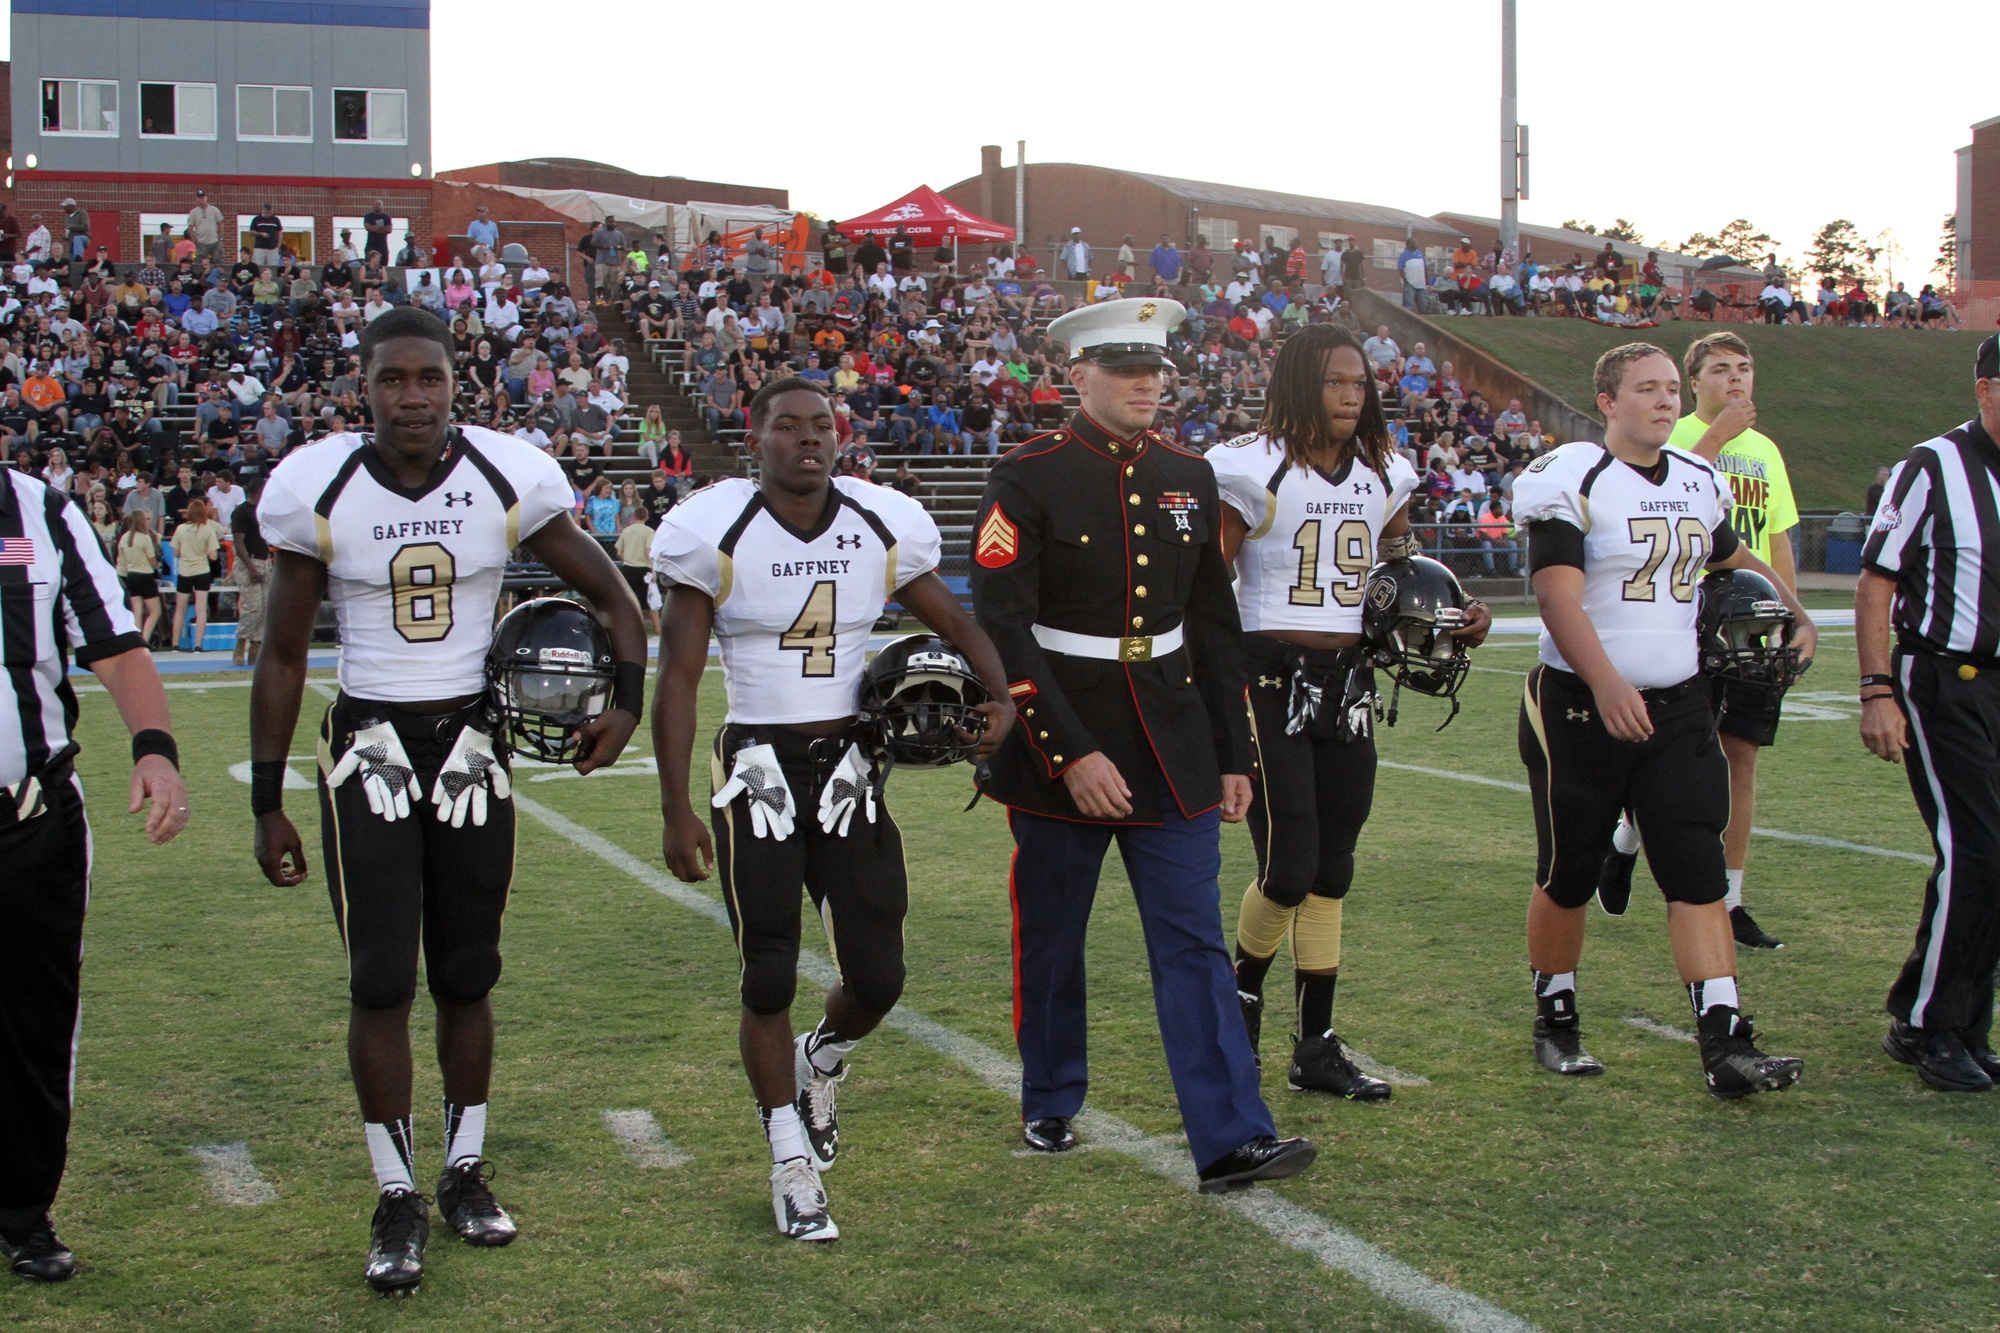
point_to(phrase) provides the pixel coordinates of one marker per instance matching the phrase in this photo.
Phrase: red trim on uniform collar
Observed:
(1086, 429)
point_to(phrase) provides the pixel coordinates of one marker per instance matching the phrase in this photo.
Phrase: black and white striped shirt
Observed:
(58, 596)
(1931, 535)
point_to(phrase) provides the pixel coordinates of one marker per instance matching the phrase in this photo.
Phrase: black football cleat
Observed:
(1263, 1158)
(1614, 882)
(1049, 1134)
(1320, 1065)
(1253, 1021)
(396, 1241)
(816, 1103)
(1748, 933)
(465, 1198)
(1939, 1057)
(1979, 1046)
(39, 1256)
(1559, 1048)
(1731, 1062)
(798, 1200)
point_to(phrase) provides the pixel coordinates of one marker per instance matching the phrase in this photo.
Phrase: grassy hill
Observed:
(1839, 402)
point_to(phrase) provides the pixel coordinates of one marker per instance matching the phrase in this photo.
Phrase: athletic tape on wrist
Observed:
(154, 741)
(629, 691)
(267, 786)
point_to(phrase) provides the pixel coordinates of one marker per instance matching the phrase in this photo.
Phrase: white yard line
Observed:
(1387, 1073)
(639, 1135)
(232, 1175)
(1305, 1231)
(1645, 1024)
(1808, 839)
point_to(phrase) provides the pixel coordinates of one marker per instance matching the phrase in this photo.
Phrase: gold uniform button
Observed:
(1044, 735)
(1139, 591)
(1132, 499)
(1138, 529)
(1031, 712)
(1142, 558)
(1138, 622)
(1060, 437)
(1190, 680)
(1128, 469)
(1058, 759)
(1085, 539)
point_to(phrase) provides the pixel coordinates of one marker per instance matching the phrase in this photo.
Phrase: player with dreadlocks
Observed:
(1309, 505)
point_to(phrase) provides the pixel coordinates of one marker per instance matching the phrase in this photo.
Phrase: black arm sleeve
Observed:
(1551, 541)
(1722, 543)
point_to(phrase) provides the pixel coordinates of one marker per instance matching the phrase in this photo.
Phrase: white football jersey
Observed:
(1646, 546)
(1311, 534)
(793, 609)
(414, 575)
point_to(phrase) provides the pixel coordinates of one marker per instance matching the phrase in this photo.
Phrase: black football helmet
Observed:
(549, 671)
(1408, 611)
(918, 694)
(1746, 630)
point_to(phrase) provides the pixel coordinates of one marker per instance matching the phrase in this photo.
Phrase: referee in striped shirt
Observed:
(59, 601)
(1931, 567)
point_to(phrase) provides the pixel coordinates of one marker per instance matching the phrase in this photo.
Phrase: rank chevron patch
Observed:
(999, 540)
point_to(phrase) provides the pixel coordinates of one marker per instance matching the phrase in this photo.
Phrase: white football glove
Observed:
(848, 787)
(756, 773)
(387, 776)
(469, 771)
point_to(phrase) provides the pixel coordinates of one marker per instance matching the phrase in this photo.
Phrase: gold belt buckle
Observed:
(1138, 649)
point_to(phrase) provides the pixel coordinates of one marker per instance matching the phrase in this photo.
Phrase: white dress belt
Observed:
(1104, 647)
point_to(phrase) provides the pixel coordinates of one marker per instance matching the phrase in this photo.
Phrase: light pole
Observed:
(1510, 138)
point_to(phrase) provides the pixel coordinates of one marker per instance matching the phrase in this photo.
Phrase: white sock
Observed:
(825, 1055)
(1734, 898)
(1553, 983)
(786, 1132)
(1715, 991)
(464, 1133)
(1625, 838)
(390, 1149)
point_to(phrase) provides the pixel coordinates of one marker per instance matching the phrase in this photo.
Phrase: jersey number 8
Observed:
(813, 632)
(1351, 557)
(1660, 539)
(421, 576)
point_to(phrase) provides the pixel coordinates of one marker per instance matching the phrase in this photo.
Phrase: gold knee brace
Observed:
(1316, 934)
(1261, 924)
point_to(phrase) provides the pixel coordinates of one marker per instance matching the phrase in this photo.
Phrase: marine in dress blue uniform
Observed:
(1097, 571)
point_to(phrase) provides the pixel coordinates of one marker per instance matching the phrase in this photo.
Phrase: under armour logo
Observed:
(1364, 488)
(1579, 714)
(841, 540)
(1271, 682)
(463, 498)
(1690, 485)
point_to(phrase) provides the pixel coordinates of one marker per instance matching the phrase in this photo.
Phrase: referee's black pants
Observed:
(1954, 770)
(43, 892)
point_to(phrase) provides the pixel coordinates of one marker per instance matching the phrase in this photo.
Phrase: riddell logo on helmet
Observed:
(564, 657)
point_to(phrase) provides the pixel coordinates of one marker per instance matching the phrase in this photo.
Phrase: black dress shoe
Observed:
(1263, 1158)
(1939, 1057)
(1049, 1134)
(39, 1256)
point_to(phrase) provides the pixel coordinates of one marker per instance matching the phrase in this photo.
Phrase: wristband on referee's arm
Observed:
(628, 691)
(154, 741)
(1877, 678)
(267, 786)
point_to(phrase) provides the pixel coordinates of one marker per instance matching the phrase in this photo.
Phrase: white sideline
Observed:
(1809, 839)
(1294, 1226)
(1658, 1029)
(639, 1135)
(232, 1175)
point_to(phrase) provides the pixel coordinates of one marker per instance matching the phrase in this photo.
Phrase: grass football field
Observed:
(215, 1012)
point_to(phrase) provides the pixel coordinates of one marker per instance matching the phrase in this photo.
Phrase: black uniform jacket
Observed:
(1082, 532)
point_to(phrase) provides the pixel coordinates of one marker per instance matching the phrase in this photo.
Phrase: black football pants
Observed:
(1309, 797)
(43, 893)
(1954, 771)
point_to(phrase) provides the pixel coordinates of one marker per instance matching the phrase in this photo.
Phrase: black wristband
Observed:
(154, 741)
(1877, 678)
(629, 693)
(267, 786)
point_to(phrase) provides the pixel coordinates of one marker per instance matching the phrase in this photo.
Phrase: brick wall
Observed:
(454, 205)
(1980, 268)
(41, 192)
(576, 174)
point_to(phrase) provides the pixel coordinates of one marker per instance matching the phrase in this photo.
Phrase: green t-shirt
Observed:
(1758, 483)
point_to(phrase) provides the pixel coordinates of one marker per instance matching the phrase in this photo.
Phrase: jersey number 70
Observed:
(1660, 541)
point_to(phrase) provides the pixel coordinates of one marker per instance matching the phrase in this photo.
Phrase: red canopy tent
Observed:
(924, 214)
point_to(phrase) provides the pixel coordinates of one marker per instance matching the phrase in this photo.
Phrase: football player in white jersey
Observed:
(1616, 715)
(791, 572)
(1307, 507)
(408, 532)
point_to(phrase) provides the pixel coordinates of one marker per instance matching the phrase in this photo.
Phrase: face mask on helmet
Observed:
(551, 672)
(542, 710)
(1411, 608)
(921, 697)
(1754, 649)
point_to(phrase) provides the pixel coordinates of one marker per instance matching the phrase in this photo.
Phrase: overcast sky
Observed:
(1677, 117)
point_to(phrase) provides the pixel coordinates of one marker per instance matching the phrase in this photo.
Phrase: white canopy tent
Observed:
(684, 224)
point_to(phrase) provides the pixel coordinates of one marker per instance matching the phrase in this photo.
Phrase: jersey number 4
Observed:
(421, 576)
(813, 632)
(1351, 557)
(1660, 540)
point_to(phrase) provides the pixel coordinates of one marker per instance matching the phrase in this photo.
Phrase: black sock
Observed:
(1555, 997)
(1250, 971)
(1313, 994)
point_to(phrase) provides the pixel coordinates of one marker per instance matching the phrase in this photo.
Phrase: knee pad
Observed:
(1335, 877)
(769, 990)
(465, 976)
(879, 992)
(373, 986)
(1261, 923)
(1574, 894)
(1284, 889)
(1316, 934)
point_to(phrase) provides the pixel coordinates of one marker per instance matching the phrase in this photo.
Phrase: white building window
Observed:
(177, 110)
(1284, 236)
(297, 235)
(267, 112)
(1386, 251)
(79, 106)
(370, 115)
(1220, 233)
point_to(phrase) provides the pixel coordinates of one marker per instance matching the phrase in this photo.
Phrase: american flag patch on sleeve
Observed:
(17, 551)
